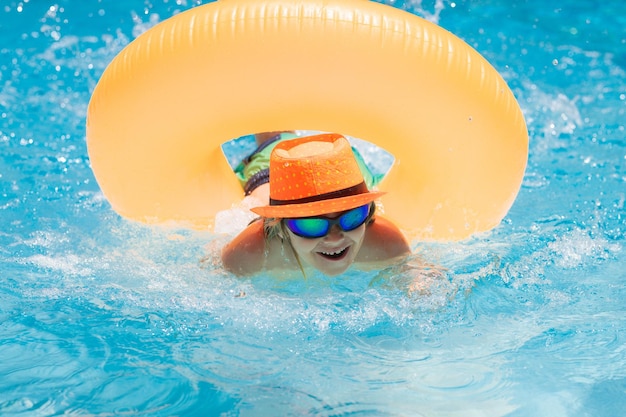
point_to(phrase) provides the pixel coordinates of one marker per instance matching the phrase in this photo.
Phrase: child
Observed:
(318, 213)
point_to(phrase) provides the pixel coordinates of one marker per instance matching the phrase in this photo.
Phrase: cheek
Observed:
(302, 245)
(357, 235)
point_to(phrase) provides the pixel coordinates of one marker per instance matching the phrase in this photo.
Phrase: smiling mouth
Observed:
(335, 254)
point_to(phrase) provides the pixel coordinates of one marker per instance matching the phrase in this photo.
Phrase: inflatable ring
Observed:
(167, 102)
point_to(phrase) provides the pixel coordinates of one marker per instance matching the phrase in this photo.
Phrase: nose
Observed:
(335, 233)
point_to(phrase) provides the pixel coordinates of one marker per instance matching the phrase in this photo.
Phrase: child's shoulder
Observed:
(245, 254)
(383, 241)
(251, 252)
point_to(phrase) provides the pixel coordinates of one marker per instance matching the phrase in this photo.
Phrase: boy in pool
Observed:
(318, 211)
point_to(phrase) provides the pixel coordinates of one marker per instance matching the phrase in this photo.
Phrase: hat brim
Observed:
(317, 208)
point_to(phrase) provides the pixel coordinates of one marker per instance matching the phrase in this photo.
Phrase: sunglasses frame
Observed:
(329, 222)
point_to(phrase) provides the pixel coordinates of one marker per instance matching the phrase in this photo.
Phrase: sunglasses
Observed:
(315, 227)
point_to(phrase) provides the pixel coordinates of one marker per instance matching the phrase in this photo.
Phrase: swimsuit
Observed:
(253, 171)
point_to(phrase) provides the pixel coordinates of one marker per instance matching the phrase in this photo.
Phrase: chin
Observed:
(334, 272)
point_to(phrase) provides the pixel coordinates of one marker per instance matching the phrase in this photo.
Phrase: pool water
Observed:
(101, 316)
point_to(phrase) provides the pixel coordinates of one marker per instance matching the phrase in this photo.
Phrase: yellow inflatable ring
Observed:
(167, 102)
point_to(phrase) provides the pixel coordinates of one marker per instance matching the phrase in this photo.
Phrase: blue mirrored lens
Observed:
(354, 218)
(309, 227)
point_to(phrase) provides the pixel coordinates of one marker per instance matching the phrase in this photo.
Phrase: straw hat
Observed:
(314, 175)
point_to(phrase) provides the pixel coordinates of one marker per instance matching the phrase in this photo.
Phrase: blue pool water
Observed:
(100, 316)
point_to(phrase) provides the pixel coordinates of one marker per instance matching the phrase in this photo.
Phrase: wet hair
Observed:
(274, 228)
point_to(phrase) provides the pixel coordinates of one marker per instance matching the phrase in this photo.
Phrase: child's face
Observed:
(331, 254)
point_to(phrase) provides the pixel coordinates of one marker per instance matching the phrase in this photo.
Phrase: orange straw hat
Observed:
(314, 175)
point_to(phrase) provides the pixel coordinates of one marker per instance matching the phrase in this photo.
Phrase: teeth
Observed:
(334, 253)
